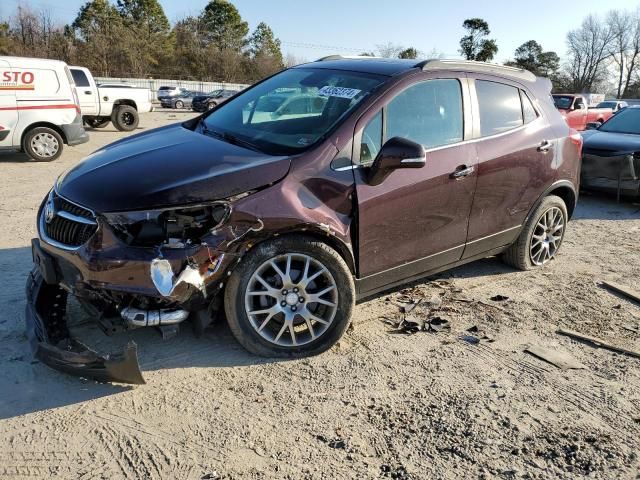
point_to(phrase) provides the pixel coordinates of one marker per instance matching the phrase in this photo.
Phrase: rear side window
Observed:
(79, 78)
(429, 113)
(500, 107)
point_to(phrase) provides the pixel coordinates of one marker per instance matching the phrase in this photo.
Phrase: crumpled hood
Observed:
(167, 166)
(610, 143)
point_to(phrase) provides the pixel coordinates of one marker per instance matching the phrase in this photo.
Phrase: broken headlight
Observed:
(175, 225)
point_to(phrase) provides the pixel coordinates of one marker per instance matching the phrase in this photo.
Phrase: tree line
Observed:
(603, 54)
(133, 38)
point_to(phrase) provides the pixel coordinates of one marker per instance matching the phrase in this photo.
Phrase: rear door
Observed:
(516, 149)
(416, 220)
(8, 105)
(87, 92)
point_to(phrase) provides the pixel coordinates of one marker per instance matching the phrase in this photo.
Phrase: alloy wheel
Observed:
(547, 236)
(45, 145)
(291, 299)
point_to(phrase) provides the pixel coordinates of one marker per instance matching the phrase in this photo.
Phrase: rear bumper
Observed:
(52, 344)
(74, 132)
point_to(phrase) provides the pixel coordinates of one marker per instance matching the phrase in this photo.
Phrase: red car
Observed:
(397, 170)
(575, 111)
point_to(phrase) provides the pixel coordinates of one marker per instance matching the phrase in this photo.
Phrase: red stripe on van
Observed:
(43, 107)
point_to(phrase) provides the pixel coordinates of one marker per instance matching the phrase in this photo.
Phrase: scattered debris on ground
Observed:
(623, 290)
(598, 342)
(559, 358)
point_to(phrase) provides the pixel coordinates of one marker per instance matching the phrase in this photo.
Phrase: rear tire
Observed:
(541, 237)
(308, 324)
(125, 118)
(97, 122)
(42, 144)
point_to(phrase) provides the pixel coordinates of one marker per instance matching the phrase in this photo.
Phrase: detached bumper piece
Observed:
(52, 344)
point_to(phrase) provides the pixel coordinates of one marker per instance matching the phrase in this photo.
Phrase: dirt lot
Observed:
(381, 404)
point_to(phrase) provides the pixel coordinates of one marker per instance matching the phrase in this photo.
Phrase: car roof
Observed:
(395, 66)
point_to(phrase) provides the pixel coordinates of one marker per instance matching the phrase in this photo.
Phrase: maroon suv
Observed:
(366, 174)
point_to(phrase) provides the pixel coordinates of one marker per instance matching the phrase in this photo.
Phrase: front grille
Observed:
(70, 224)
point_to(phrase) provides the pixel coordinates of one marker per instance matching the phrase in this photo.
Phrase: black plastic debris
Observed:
(499, 298)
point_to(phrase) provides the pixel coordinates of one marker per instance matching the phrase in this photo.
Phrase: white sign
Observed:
(340, 92)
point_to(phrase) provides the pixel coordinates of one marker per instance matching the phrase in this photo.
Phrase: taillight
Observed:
(76, 100)
(575, 138)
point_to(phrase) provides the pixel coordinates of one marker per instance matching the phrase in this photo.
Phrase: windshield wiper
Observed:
(229, 138)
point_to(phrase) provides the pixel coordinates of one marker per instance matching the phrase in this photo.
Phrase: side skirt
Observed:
(366, 288)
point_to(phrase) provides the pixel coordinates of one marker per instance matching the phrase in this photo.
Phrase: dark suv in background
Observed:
(204, 102)
(392, 171)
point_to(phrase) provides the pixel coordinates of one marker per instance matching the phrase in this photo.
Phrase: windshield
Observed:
(606, 105)
(214, 93)
(292, 110)
(626, 121)
(563, 101)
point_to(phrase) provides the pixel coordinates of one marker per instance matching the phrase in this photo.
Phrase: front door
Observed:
(87, 93)
(416, 220)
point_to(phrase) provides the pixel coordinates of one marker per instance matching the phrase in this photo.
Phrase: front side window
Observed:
(429, 113)
(500, 107)
(79, 78)
(291, 111)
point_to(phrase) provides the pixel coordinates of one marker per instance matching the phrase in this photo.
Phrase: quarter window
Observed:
(528, 112)
(500, 107)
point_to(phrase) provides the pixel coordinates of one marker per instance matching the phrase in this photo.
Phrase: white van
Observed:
(39, 107)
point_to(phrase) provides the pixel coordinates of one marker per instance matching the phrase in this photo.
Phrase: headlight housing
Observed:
(175, 225)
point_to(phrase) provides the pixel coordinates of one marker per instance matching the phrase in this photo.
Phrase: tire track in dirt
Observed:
(585, 402)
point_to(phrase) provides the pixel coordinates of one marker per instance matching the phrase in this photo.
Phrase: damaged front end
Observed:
(132, 270)
(52, 345)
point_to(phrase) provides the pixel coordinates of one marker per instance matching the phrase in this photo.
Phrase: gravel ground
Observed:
(383, 403)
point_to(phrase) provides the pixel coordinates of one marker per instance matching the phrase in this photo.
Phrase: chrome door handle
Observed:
(545, 146)
(462, 171)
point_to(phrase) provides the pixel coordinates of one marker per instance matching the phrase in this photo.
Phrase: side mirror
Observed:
(593, 125)
(396, 153)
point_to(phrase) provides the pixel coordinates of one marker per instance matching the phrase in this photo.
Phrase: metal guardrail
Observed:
(154, 84)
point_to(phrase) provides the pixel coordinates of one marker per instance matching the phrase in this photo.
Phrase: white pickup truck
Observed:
(103, 104)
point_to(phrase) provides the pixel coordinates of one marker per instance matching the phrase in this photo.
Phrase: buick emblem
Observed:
(49, 212)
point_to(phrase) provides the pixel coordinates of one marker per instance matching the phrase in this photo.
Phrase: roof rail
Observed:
(473, 66)
(344, 57)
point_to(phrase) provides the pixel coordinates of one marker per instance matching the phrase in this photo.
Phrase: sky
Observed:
(310, 30)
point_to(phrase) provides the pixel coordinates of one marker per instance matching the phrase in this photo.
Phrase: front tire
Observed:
(211, 105)
(541, 236)
(42, 144)
(179, 104)
(125, 118)
(290, 297)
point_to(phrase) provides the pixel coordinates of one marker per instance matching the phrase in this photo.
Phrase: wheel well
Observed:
(131, 103)
(333, 242)
(43, 124)
(568, 196)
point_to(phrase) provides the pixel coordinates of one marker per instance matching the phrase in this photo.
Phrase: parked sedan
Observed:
(207, 101)
(615, 105)
(611, 154)
(180, 101)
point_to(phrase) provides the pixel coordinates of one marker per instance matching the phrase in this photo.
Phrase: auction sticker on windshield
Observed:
(340, 92)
